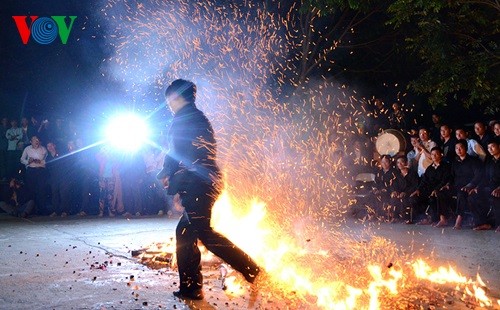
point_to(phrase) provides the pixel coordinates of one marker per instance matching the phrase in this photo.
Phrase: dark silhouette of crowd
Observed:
(442, 174)
(48, 169)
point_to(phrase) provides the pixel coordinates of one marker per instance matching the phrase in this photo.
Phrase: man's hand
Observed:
(165, 183)
(415, 193)
(496, 192)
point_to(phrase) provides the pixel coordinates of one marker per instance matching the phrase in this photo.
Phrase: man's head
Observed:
(460, 133)
(35, 142)
(414, 140)
(494, 147)
(13, 123)
(5, 122)
(180, 93)
(436, 118)
(445, 131)
(480, 128)
(24, 122)
(436, 155)
(51, 147)
(423, 133)
(402, 162)
(461, 148)
(385, 162)
(496, 128)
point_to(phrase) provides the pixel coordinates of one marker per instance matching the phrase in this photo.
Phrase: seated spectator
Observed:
(473, 147)
(486, 196)
(21, 201)
(406, 182)
(466, 174)
(483, 135)
(428, 197)
(448, 143)
(424, 151)
(384, 180)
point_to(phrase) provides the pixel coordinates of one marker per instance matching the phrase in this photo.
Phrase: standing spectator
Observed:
(429, 192)
(14, 135)
(33, 158)
(61, 178)
(466, 174)
(86, 170)
(397, 118)
(20, 200)
(28, 130)
(483, 135)
(133, 171)
(435, 131)
(473, 147)
(4, 144)
(412, 154)
(110, 187)
(448, 143)
(496, 129)
(486, 196)
(380, 117)
(58, 133)
(424, 151)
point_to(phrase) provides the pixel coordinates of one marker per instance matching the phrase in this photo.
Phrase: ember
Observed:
(285, 179)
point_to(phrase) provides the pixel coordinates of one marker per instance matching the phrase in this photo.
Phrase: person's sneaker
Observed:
(82, 213)
(137, 213)
(101, 214)
(160, 213)
(64, 214)
(111, 214)
(127, 214)
(194, 294)
(53, 214)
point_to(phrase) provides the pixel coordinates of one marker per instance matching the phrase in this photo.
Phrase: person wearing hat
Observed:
(191, 173)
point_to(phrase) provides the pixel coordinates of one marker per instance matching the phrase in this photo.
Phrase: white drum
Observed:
(390, 142)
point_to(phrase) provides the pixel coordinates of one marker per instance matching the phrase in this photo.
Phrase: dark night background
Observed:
(68, 80)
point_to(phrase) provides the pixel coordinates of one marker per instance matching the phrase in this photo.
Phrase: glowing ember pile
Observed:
(285, 154)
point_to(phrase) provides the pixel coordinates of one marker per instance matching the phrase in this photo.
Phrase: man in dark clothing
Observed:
(19, 201)
(466, 174)
(429, 192)
(448, 143)
(486, 196)
(191, 172)
(406, 182)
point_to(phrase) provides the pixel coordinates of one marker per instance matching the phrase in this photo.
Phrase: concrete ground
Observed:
(86, 263)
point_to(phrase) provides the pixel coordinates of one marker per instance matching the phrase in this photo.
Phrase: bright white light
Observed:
(127, 132)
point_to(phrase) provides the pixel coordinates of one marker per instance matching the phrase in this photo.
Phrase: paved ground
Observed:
(86, 263)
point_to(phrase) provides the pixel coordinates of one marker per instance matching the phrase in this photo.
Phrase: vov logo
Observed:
(44, 30)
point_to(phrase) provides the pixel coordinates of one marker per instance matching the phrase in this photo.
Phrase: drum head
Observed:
(390, 142)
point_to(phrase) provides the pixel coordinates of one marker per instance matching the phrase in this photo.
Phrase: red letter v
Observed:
(22, 27)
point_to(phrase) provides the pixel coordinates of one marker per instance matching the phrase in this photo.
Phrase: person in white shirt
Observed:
(33, 158)
(424, 151)
(474, 149)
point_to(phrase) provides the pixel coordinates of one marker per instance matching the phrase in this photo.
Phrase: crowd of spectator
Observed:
(47, 169)
(446, 173)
